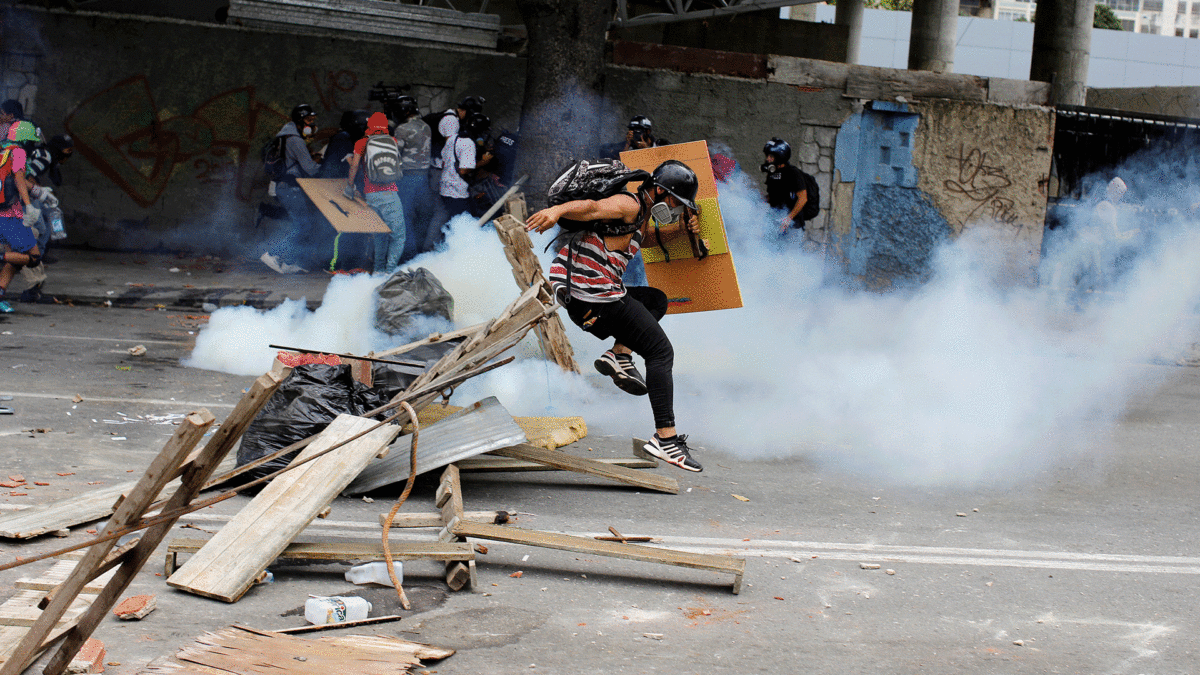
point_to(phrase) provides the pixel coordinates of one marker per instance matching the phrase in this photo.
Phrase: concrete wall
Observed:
(1175, 101)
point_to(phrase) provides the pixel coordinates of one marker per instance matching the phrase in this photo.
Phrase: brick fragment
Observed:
(135, 607)
(90, 658)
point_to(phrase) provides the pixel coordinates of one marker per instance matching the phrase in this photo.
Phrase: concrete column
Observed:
(850, 14)
(934, 32)
(1062, 42)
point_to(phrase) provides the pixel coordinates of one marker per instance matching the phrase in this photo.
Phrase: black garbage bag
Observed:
(407, 294)
(305, 403)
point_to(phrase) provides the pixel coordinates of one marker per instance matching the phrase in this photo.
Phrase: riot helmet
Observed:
(640, 123)
(679, 181)
(301, 111)
(782, 152)
(403, 107)
(476, 125)
(472, 104)
(354, 123)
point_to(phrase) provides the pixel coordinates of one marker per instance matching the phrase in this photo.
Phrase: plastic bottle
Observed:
(57, 231)
(321, 610)
(374, 573)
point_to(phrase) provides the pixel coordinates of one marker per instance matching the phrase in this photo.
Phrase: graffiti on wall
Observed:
(983, 183)
(122, 132)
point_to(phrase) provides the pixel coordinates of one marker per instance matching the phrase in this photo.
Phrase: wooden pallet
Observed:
(228, 565)
(342, 551)
(566, 542)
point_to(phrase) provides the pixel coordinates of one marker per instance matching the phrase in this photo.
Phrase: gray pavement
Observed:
(143, 280)
(1088, 567)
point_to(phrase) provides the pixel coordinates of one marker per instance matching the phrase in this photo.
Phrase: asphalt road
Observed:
(1088, 568)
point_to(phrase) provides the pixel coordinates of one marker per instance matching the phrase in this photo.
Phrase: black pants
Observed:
(633, 322)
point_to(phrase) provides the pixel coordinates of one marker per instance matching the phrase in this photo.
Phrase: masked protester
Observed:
(586, 276)
(786, 186)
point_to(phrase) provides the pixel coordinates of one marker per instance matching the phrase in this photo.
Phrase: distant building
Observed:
(1158, 17)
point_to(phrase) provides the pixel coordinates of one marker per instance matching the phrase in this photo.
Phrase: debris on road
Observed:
(135, 607)
(869, 566)
(139, 350)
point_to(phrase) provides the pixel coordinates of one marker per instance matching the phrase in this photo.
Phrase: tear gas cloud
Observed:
(966, 379)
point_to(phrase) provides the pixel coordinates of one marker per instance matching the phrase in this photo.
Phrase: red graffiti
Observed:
(331, 84)
(119, 130)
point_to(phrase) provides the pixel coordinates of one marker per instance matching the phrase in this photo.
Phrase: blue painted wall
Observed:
(894, 225)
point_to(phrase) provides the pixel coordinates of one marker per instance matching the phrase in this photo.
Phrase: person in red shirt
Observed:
(382, 196)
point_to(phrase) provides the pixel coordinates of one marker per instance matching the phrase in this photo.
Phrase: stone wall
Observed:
(1174, 101)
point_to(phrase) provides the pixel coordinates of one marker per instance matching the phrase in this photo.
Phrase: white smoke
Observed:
(968, 379)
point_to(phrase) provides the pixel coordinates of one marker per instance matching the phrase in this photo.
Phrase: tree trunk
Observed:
(564, 78)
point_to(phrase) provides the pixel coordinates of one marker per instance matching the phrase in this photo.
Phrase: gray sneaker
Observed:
(622, 371)
(673, 450)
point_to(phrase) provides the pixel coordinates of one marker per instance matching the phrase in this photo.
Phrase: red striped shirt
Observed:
(596, 271)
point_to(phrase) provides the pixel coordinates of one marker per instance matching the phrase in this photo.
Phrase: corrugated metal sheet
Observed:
(473, 431)
(382, 18)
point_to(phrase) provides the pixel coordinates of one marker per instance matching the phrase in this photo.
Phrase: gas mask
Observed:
(665, 214)
(768, 167)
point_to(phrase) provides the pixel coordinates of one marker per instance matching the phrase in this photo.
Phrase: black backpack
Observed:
(436, 140)
(8, 192)
(274, 158)
(598, 179)
(812, 205)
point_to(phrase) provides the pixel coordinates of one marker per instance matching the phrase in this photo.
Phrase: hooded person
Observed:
(379, 157)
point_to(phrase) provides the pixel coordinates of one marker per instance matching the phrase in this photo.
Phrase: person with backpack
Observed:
(17, 216)
(788, 187)
(378, 153)
(444, 125)
(609, 225)
(415, 139)
(458, 163)
(285, 159)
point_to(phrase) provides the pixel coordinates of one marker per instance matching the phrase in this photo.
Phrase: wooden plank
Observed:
(450, 501)
(435, 519)
(566, 542)
(479, 464)
(58, 573)
(227, 567)
(527, 271)
(366, 551)
(560, 460)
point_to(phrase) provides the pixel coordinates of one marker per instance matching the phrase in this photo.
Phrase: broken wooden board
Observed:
(448, 498)
(228, 565)
(345, 215)
(560, 460)
(527, 272)
(249, 652)
(691, 285)
(344, 551)
(487, 463)
(382, 648)
(481, 427)
(586, 545)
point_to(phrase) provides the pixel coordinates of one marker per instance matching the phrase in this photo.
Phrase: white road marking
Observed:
(102, 339)
(97, 399)
(930, 555)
